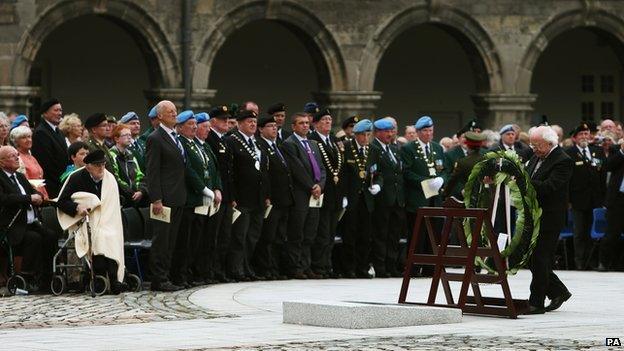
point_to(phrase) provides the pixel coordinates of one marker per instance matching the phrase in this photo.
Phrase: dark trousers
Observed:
(310, 231)
(245, 234)
(203, 256)
(105, 266)
(163, 243)
(582, 220)
(324, 241)
(610, 245)
(223, 228)
(186, 246)
(387, 227)
(37, 249)
(267, 258)
(356, 240)
(545, 282)
(302, 230)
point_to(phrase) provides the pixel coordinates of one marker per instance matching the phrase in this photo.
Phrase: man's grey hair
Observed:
(160, 105)
(546, 133)
(19, 132)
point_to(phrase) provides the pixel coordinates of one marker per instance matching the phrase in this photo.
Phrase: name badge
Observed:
(579, 163)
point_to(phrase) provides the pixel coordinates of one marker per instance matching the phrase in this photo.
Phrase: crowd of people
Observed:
(240, 194)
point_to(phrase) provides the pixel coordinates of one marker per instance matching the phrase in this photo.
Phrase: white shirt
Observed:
(422, 146)
(169, 131)
(30, 213)
(51, 125)
(220, 135)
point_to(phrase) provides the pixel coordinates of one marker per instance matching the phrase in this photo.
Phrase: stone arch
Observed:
(321, 45)
(480, 48)
(147, 33)
(608, 24)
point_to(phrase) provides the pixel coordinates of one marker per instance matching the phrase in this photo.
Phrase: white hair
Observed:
(161, 105)
(547, 133)
(19, 132)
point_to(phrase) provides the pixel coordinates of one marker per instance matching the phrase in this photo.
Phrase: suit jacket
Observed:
(333, 193)
(199, 174)
(165, 169)
(615, 165)
(220, 151)
(50, 149)
(392, 188)
(280, 176)
(586, 185)
(303, 176)
(415, 170)
(522, 149)
(353, 184)
(551, 185)
(11, 201)
(284, 135)
(78, 181)
(250, 186)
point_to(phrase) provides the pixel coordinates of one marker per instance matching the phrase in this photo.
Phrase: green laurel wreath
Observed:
(506, 168)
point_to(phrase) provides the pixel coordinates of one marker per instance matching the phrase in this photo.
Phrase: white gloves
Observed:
(208, 196)
(437, 183)
(374, 189)
(345, 202)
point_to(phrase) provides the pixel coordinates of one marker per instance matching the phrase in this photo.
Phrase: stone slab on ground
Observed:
(351, 315)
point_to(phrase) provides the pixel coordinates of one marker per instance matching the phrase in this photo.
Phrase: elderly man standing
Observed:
(49, 146)
(550, 170)
(609, 246)
(131, 119)
(166, 161)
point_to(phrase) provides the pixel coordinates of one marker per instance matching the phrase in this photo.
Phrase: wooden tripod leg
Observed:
(472, 251)
(440, 252)
(409, 262)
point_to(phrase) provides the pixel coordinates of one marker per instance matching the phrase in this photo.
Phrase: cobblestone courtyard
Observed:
(247, 316)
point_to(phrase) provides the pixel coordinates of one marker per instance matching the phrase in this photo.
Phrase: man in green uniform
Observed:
(462, 168)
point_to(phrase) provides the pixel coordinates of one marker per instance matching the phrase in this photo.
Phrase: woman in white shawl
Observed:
(93, 190)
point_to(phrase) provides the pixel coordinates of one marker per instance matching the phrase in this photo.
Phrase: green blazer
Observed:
(199, 174)
(416, 169)
(461, 171)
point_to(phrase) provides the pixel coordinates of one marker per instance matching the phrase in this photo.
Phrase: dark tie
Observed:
(427, 151)
(586, 154)
(316, 170)
(178, 143)
(274, 146)
(14, 180)
(361, 152)
(390, 154)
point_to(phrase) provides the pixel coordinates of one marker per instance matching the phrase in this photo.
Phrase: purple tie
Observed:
(315, 167)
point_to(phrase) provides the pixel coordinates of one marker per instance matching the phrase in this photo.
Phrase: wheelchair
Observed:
(16, 282)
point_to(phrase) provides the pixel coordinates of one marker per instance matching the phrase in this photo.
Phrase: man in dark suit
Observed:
(586, 191)
(26, 235)
(389, 200)
(278, 111)
(308, 173)
(610, 245)
(250, 195)
(333, 196)
(508, 142)
(550, 170)
(166, 161)
(269, 256)
(49, 146)
(222, 220)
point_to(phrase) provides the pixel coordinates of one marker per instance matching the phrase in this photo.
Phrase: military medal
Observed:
(336, 179)
(334, 171)
(251, 152)
(362, 174)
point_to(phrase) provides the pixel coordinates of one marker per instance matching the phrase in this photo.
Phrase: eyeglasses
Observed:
(125, 135)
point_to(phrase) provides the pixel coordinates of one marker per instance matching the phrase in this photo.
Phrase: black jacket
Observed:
(220, 150)
(250, 185)
(78, 181)
(303, 176)
(392, 190)
(165, 171)
(50, 150)
(355, 183)
(11, 201)
(333, 159)
(522, 149)
(280, 176)
(586, 186)
(615, 165)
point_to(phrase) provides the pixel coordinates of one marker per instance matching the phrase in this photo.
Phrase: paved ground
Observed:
(247, 316)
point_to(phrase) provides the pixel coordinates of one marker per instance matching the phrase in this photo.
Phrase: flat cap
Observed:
(46, 105)
(95, 156)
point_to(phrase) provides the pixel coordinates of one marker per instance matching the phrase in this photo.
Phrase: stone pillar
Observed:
(201, 99)
(17, 98)
(496, 110)
(344, 104)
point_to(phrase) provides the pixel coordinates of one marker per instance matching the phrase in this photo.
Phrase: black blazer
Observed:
(220, 150)
(333, 191)
(284, 135)
(615, 165)
(78, 181)
(50, 150)
(551, 185)
(303, 176)
(165, 169)
(280, 176)
(586, 185)
(353, 185)
(11, 201)
(392, 189)
(250, 186)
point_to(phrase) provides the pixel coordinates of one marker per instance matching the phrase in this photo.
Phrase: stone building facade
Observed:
(501, 42)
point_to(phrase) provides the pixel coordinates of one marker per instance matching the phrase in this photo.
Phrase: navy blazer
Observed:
(165, 169)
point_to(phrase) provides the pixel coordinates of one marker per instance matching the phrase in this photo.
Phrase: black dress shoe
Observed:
(535, 310)
(558, 301)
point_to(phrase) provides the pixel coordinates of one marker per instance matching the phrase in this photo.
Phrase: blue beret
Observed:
(152, 113)
(383, 124)
(18, 120)
(424, 122)
(364, 125)
(130, 116)
(311, 107)
(202, 117)
(184, 116)
(506, 128)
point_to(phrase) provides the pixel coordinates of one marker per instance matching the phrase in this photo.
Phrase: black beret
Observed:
(279, 107)
(46, 105)
(94, 120)
(351, 121)
(96, 156)
(471, 126)
(244, 114)
(220, 112)
(264, 120)
(323, 112)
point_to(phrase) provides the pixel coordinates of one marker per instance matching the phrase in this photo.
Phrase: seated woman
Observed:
(126, 169)
(77, 152)
(21, 138)
(92, 191)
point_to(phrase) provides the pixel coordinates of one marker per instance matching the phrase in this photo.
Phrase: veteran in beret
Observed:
(154, 122)
(509, 142)
(98, 126)
(278, 111)
(131, 119)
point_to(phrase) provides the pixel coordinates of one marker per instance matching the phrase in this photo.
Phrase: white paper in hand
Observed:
(429, 188)
(316, 203)
(214, 208)
(235, 214)
(164, 216)
(502, 241)
(267, 211)
(202, 210)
